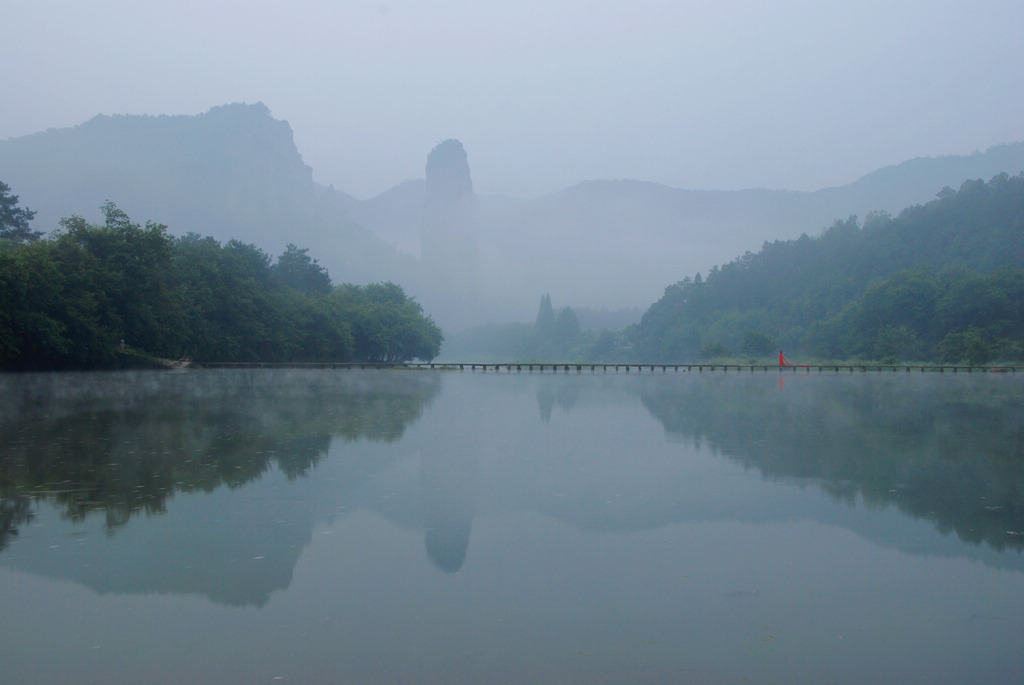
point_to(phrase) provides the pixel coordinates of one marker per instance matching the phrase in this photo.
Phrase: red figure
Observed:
(782, 360)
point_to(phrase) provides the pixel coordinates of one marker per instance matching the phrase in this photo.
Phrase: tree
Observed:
(714, 350)
(680, 344)
(894, 343)
(68, 301)
(127, 268)
(757, 344)
(35, 307)
(14, 219)
(603, 347)
(228, 295)
(297, 270)
(567, 327)
(973, 300)
(545, 318)
(386, 325)
(966, 346)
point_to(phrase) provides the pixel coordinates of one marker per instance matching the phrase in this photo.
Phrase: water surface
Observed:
(421, 527)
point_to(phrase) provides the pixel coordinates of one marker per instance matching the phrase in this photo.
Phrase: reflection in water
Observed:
(15, 510)
(565, 395)
(449, 484)
(659, 528)
(123, 444)
(944, 448)
(947, 450)
(450, 448)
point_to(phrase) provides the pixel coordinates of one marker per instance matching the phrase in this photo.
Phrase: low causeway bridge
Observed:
(518, 367)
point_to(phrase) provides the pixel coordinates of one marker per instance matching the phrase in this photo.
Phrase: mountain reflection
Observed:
(945, 449)
(449, 485)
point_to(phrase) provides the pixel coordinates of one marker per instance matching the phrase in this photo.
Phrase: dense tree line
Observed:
(79, 297)
(942, 281)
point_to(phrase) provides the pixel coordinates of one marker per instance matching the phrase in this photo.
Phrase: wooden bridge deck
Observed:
(505, 367)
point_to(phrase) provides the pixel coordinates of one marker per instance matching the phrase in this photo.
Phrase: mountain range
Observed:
(235, 172)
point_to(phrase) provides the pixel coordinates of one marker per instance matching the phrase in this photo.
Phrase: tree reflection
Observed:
(944, 449)
(124, 443)
(14, 511)
(565, 395)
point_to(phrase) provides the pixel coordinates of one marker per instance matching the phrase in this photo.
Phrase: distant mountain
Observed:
(917, 181)
(619, 243)
(233, 172)
(395, 214)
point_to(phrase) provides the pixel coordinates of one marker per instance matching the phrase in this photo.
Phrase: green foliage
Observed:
(297, 270)
(555, 337)
(892, 288)
(233, 311)
(757, 344)
(14, 220)
(82, 296)
(545, 317)
(682, 342)
(567, 327)
(965, 347)
(68, 301)
(33, 318)
(714, 350)
(386, 325)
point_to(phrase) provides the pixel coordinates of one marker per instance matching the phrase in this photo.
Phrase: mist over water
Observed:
(437, 526)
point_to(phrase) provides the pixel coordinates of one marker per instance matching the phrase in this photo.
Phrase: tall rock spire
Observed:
(449, 238)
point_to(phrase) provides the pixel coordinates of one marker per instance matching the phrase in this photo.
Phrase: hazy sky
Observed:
(714, 95)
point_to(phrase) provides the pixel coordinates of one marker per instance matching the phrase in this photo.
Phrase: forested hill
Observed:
(231, 172)
(941, 281)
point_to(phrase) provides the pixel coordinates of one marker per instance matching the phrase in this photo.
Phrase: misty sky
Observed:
(724, 95)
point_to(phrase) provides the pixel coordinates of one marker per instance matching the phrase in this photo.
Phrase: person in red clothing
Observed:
(782, 360)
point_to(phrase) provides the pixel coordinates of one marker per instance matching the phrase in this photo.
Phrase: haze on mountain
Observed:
(618, 243)
(232, 172)
(543, 95)
(235, 172)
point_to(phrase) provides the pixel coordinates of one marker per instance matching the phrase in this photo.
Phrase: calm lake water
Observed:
(438, 527)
